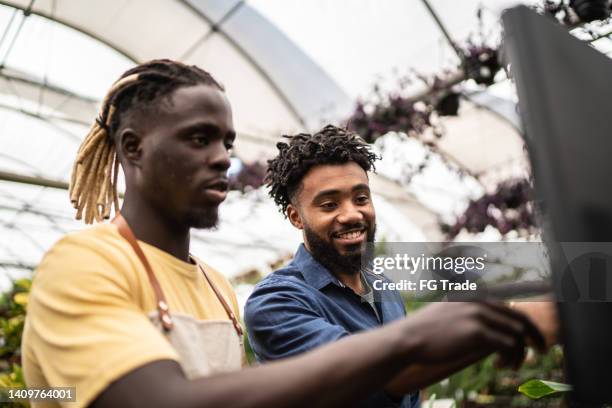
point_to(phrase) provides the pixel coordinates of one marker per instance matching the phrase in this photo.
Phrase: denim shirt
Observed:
(303, 306)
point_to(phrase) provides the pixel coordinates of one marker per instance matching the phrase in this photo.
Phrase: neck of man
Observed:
(155, 228)
(353, 281)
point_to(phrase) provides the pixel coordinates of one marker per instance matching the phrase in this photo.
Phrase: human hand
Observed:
(543, 314)
(449, 331)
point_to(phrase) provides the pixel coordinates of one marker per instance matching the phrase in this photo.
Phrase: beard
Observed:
(181, 210)
(327, 254)
(206, 218)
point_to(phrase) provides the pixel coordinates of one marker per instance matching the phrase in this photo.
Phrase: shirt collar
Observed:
(315, 274)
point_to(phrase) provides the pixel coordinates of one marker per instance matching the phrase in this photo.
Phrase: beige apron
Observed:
(204, 347)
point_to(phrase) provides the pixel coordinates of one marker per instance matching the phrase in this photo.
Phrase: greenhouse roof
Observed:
(287, 66)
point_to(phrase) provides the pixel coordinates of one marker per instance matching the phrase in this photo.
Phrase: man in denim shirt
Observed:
(320, 182)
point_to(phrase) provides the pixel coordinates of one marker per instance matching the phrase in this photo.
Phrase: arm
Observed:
(541, 313)
(278, 315)
(326, 377)
(331, 375)
(418, 376)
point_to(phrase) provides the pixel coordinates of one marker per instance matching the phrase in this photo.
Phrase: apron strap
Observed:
(227, 308)
(162, 306)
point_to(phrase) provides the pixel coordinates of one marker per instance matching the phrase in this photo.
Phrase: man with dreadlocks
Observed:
(123, 312)
(320, 182)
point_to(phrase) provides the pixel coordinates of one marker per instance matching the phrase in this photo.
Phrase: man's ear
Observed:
(294, 217)
(130, 143)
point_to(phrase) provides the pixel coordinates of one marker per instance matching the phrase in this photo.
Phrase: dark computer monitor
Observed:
(565, 100)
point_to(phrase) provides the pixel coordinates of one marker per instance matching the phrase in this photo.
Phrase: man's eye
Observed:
(328, 205)
(363, 199)
(229, 146)
(200, 140)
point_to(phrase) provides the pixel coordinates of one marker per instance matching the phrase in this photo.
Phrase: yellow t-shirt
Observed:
(87, 321)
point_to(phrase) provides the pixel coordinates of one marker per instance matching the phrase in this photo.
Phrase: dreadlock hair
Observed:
(331, 145)
(93, 183)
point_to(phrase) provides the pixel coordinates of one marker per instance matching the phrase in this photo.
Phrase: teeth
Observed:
(350, 235)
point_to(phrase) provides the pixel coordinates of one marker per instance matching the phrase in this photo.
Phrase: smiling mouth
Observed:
(351, 235)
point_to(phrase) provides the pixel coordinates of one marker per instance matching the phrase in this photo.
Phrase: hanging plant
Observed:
(393, 113)
(481, 64)
(510, 207)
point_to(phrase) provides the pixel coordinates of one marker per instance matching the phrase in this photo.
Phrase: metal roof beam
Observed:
(74, 27)
(32, 180)
(276, 89)
(217, 27)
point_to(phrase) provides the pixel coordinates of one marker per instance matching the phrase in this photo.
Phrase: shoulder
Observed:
(287, 275)
(280, 289)
(101, 241)
(287, 280)
(88, 259)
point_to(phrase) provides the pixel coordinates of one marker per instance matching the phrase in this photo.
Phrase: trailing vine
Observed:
(510, 206)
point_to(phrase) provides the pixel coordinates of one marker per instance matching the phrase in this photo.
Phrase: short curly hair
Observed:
(331, 145)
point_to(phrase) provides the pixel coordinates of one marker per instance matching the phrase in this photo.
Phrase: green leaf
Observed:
(536, 389)
(25, 284)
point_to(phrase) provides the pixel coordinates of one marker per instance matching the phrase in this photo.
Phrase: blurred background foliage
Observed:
(484, 385)
(13, 306)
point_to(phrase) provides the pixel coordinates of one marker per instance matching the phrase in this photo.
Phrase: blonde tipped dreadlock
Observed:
(93, 183)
